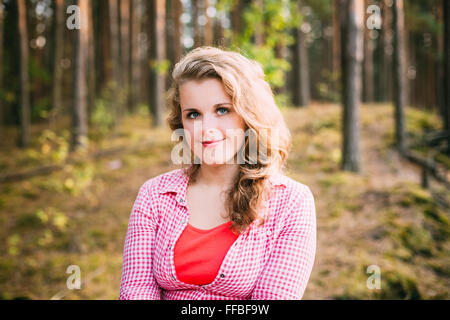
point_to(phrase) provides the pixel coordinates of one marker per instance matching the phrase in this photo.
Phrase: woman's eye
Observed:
(192, 115)
(222, 110)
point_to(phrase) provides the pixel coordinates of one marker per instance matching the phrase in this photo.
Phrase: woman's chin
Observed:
(214, 162)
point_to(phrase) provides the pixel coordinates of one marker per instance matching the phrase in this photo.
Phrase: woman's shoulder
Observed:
(290, 195)
(292, 200)
(290, 188)
(163, 181)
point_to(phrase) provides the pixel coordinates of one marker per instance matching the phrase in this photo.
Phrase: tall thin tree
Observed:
(351, 19)
(446, 72)
(135, 53)
(113, 9)
(24, 77)
(300, 67)
(336, 63)
(258, 37)
(219, 30)
(368, 82)
(173, 34)
(79, 108)
(125, 48)
(399, 74)
(1, 64)
(157, 56)
(58, 56)
(384, 77)
(197, 30)
(91, 61)
(237, 20)
(209, 31)
(177, 49)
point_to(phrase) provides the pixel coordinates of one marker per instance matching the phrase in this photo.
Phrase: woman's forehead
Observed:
(195, 94)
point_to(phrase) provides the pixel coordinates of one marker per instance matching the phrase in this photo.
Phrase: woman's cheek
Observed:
(189, 137)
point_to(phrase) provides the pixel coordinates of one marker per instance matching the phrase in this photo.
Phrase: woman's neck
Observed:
(222, 176)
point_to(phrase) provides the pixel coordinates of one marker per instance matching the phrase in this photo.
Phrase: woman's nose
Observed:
(210, 127)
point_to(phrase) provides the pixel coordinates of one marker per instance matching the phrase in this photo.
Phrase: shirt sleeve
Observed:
(138, 282)
(288, 269)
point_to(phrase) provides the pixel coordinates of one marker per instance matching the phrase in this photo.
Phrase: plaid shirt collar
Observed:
(179, 180)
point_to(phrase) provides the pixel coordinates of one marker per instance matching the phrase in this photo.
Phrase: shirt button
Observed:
(222, 275)
(181, 201)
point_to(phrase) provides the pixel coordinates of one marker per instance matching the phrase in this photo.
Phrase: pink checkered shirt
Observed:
(268, 262)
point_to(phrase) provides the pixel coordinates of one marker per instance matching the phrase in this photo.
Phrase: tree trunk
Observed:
(300, 72)
(135, 54)
(388, 45)
(91, 61)
(219, 39)
(195, 25)
(259, 28)
(385, 74)
(399, 74)
(237, 24)
(58, 56)
(24, 77)
(1, 68)
(173, 35)
(158, 54)
(446, 71)
(115, 58)
(104, 61)
(79, 120)
(352, 14)
(177, 51)
(208, 26)
(125, 51)
(368, 88)
(336, 39)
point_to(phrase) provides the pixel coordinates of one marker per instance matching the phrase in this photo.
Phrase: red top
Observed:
(198, 253)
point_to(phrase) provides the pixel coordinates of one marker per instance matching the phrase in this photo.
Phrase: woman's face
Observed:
(213, 129)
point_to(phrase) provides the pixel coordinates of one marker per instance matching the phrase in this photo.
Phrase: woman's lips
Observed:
(211, 143)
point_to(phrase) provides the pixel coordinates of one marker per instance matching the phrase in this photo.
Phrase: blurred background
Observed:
(364, 86)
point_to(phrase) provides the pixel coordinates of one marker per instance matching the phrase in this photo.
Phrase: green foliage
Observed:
(50, 148)
(330, 88)
(54, 147)
(417, 240)
(160, 66)
(398, 285)
(30, 221)
(40, 79)
(102, 118)
(41, 108)
(79, 177)
(321, 8)
(421, 17)
(97, 239)
(13, 244)
(273, 20)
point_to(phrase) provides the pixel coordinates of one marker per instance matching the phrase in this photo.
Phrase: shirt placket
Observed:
(180, 226)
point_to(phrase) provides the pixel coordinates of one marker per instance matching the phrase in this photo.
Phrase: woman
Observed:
(230, 224)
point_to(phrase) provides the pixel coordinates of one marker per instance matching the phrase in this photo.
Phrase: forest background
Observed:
(364, 86)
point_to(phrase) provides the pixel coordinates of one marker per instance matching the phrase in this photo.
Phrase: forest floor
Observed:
(78, 215)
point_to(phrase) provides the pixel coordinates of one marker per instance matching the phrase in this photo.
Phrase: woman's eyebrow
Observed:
(216, 105)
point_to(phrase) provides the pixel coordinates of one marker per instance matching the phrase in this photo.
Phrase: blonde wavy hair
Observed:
(253, 100)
